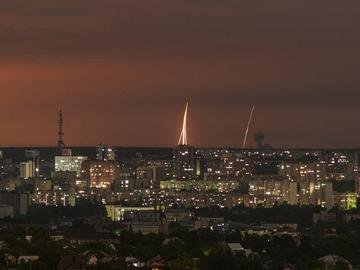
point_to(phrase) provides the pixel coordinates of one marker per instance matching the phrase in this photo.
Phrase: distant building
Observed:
(317, 193)
(34, 156)
(123, 184)
(345, 200)
(146, 222)
(66, 152)
(42, 184)
(179, 215)
(152, 173)
(184, 155)
(327, 196)
(117, 212)
(7, 168)
(184, 163)
(54, 197)
(69, 164)
(234, 165)
(357, 184)
(105, 153)
(10, 184)
(101, 174)
(269, 190)
(161, 170)
(235, 248)
(27, 169)
(293, 198)
(81, 237)
(20, 201)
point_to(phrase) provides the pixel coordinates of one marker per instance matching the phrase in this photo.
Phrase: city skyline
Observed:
(128, 70)
(162, 134)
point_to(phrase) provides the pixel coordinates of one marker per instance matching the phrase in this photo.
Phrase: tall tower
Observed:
(61, 144)
(184, 155)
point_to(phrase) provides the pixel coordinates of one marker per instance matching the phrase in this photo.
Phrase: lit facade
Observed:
(101, 174)
(27, 169)
(184, 163)
(69, 164)
(105, 153)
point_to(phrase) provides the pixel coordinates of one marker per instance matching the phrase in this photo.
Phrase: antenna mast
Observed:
(61, 144)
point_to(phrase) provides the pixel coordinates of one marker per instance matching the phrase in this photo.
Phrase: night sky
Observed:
(122, 71)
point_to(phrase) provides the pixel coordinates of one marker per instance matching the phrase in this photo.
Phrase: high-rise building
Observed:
(184, 163)
(345, 200)
(160, 170)
(150, 174)
(293, 199)
(105, 153)
(69, 164)
(327, 195)
(27, 170)
(184, 155)
(357, 185)
(100, 174)
(317, 193)
(34, 156)
(6, 167)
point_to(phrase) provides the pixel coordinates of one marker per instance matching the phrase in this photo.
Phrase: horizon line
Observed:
(200, 147)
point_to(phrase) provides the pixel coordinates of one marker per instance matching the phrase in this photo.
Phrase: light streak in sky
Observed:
(183, 136)
(248, 126)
